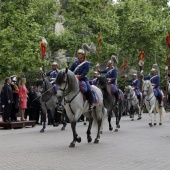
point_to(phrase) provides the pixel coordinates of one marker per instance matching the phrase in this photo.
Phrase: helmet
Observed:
(54, 64)
(152, 70)
(80, 51)
(109, 62)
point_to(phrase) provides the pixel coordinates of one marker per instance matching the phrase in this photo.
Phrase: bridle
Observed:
(66, 93)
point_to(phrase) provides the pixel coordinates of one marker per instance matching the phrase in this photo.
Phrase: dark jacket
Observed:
(6, 94)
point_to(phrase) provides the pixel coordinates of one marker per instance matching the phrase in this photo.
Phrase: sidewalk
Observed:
(135, 147)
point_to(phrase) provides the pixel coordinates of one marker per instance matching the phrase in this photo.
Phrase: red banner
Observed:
(99, 42)
(124, 65)
(141, 55)
(168, 40)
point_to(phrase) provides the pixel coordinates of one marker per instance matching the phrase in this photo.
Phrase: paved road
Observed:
(135, 147)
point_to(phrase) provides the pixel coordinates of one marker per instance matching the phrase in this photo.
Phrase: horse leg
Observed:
(75, 135)
(99, 123)
(150, 115)
(154, 117)
(43, 120)
(63, 120)
(139, 112)
(132, 112)
(117, 119)
(109, 113)
(85, 120)
(89, 138)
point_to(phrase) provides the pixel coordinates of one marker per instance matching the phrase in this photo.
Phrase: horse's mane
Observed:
(73, 84)
(102, 80)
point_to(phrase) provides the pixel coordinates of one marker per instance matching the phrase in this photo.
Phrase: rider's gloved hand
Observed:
(79, 77)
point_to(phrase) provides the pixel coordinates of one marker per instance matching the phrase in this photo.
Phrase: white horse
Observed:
(75, 106)
(152, 103)
(133, 102)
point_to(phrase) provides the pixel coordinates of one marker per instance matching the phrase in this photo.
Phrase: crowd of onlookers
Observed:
(18, 101)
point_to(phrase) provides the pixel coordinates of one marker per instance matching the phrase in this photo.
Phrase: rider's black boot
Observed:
(139, 98)
(89, 96)
(116, 94)
(160, 102)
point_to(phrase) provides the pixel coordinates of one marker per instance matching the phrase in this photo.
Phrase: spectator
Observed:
(22, 98)
(15, 92)
(7, 99)
(35, 105)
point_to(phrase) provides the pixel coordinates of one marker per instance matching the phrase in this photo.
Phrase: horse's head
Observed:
(43, 85)
(67, 82)
(147, 88)
(39, 84)
(101, 82)
(129, 91)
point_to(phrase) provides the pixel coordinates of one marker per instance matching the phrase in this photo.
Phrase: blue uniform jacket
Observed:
(135, 83)
(81, 69)
(52, 74)
(111, 74)
(155, 80)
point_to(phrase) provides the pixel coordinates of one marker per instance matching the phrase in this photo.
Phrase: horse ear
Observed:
(66, 70)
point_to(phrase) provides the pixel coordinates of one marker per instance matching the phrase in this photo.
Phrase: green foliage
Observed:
(21, 25)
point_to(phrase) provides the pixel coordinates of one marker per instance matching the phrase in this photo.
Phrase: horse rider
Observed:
(111, 75)
(155, 80)
(135, 85)
(81, 68)
(53, 74)
(93, 81)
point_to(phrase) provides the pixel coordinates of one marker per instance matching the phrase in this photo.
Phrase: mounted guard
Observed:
(53, 74)
(111, 75)
(135, 85)
(155, 80)
(81, 68)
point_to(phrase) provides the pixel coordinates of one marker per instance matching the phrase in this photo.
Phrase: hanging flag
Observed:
(99, 42)
(141, 55)
(43, 45)
(124, 65)
(168, 40)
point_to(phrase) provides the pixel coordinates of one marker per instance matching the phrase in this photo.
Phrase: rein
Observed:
(65, 94)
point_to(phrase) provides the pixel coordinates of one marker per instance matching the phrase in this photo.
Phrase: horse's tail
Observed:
(161, 111)
(99, 116)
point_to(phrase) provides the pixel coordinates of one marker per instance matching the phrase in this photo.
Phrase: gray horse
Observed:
(109, 102)
(133, 103)
(49, 101)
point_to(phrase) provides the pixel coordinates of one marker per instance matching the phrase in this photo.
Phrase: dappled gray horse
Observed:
(133, 103)
(48, 100)
(75, 105)
(110, 102)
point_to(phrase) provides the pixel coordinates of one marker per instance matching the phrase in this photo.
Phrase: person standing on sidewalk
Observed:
(7, 99)
(22, 98)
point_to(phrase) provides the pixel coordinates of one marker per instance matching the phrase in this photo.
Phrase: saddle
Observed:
(83, 90)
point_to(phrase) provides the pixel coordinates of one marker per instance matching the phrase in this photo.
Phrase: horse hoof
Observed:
(63, 128)
(139, 118)
(132, 119)
(150, 124)
(89, 139)
(78, 139)
(118, 126)
(42, 130)
(72, 145)
(110, 128)
(96, 141)
(85, 123)
(160, 124)
(116, 130)
(154, 124)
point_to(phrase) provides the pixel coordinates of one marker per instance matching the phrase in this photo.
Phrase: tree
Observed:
(21, 25)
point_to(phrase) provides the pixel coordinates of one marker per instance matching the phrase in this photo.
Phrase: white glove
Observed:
(41, 69)
(141, 73)
(3, 106)
(166, 68)
(97, 65)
